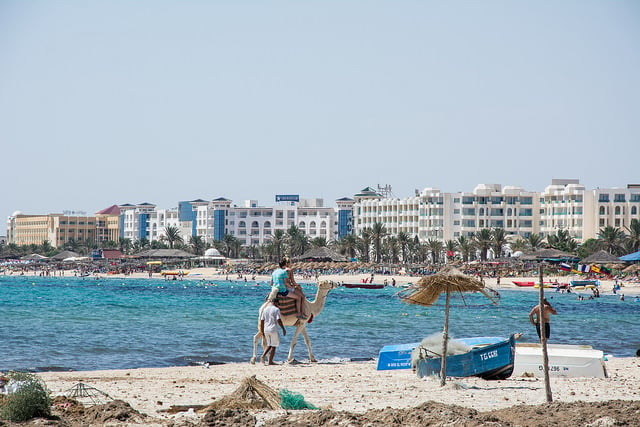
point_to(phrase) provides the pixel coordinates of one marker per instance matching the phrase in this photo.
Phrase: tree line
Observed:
(372, 244)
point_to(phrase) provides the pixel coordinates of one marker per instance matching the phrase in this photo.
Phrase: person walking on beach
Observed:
(269, 321)
(280, 279)
(534, 317)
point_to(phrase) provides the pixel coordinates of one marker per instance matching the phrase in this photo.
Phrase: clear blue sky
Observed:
(111, 102)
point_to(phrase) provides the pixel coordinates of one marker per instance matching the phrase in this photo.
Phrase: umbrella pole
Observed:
(445, 338)
(543, 339)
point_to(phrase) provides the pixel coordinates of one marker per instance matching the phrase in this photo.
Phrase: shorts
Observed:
(547, 329)
(283, 294)
(272, 339)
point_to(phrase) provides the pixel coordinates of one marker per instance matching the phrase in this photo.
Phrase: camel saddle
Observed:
(287, 306)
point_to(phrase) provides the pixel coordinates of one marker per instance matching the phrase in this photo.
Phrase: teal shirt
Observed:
(278, 278)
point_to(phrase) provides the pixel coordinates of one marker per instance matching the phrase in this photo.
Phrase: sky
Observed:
(113, 102)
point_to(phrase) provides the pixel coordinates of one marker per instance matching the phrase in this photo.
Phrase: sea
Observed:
(69, 323)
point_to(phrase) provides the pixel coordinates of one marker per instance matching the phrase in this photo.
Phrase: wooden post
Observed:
(445, 338)
(543, 338)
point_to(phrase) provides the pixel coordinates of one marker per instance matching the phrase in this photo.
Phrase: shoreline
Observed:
(347, 386)
(628, 288)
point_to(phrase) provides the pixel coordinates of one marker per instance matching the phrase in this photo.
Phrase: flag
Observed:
(605, 270)
(564, 267)
(583, 268)
(595, 269)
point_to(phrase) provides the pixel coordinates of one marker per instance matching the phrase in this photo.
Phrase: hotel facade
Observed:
(565, 204)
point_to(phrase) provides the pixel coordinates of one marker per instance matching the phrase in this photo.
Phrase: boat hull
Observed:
(491, 362)
(565, 360)
(363, 285)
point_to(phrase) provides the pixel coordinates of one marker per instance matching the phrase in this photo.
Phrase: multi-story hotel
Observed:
(565, 204)
(429, 214)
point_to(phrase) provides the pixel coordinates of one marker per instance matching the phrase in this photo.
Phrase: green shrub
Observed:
(31, 400)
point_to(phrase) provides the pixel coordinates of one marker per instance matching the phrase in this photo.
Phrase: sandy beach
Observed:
(355, 387)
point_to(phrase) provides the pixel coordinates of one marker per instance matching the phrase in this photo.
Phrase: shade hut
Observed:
(601, 257)
(428, 289)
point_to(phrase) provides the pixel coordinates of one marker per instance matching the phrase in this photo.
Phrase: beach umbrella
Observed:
(600, 257)
(428, 289)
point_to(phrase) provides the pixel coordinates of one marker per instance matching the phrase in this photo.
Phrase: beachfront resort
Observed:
(565, 205)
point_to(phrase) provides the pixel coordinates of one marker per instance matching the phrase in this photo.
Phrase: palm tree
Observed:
(228, 244)
(125, 245)
(436, 247)
(297, 240)
(466, 247)
(197, 244)
(392, 249)
(519, 245)
(612, 239)
(482, 240)
(348, 245)
(278, 239)
(319, 242)
(403, 241)
(451, 246)
(534, 241)
(364, 244)
(634, 235)
(378, 233)
(499, 240)
(172, 234)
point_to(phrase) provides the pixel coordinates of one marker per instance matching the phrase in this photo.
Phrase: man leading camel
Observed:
(280, 279)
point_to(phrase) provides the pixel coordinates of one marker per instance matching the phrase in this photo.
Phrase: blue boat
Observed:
(491, 362)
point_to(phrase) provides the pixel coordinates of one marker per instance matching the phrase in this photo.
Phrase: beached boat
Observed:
(491, 361)
(363, 285)
(524, 284)
(564, 361)
(584, 283)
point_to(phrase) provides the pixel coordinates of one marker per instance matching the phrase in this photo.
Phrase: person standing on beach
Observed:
(534, 317)
(269, 321)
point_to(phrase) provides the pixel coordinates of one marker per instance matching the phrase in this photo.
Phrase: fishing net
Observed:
(291, 400)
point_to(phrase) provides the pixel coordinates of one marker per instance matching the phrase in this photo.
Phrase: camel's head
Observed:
(327, 285)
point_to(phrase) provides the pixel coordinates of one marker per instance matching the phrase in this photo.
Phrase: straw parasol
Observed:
(601, 257)
(428, 289)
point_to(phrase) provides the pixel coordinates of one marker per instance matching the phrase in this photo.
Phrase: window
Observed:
(634, 210)
(242, 224)
(617, 210)
(526, 200)
(603, 198)
(618, 198)
(601, 210)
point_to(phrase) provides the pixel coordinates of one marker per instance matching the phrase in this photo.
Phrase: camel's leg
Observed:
(256, 337)
(308, 342)
(293, 341)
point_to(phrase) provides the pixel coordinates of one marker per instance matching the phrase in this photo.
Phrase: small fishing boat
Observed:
(491, 362)
(585, 283)
(363, 285)
(524, 284)
(565, 360)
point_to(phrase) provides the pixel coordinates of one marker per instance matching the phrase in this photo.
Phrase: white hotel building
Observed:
(253, 225)
(565, 204)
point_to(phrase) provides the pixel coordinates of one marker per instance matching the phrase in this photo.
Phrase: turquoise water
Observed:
(86, 324)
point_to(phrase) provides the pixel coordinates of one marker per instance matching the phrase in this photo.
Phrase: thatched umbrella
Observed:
(428, 289)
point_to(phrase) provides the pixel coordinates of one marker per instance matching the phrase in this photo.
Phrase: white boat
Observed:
(564, 361)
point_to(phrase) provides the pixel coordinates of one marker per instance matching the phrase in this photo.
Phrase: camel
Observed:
(310, 308)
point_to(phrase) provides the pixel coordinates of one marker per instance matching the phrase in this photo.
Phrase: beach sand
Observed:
(357, 387)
